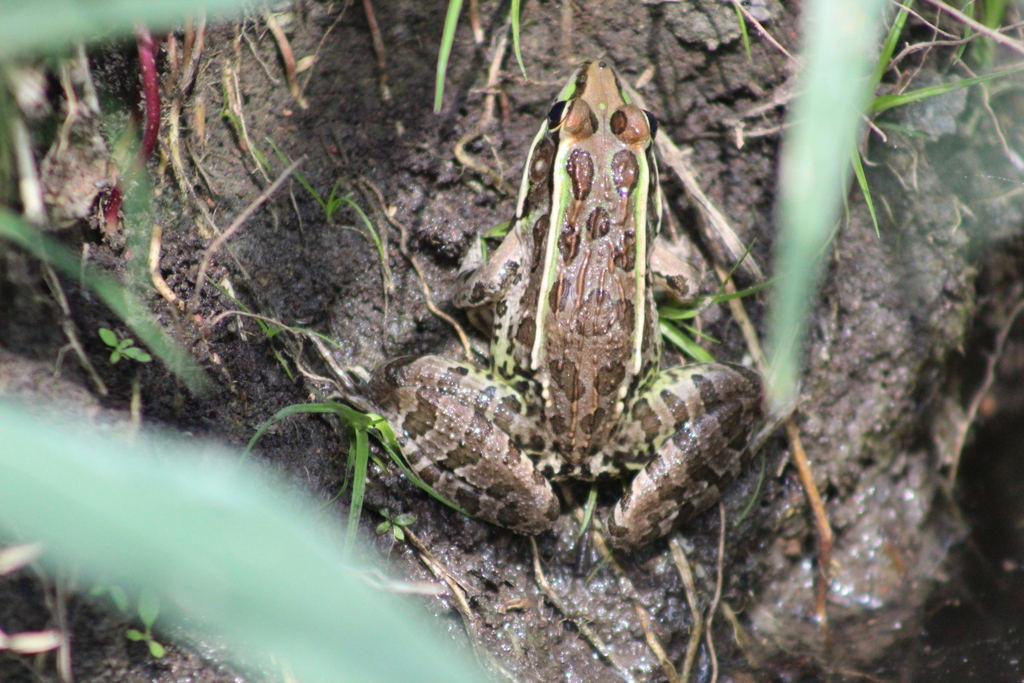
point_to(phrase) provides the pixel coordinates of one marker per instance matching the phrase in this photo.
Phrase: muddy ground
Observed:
(897, 346)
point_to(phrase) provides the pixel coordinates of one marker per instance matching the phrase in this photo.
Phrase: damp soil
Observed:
(895, 352)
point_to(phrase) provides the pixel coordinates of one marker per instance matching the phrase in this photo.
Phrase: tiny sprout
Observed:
(394, 524)
(122, 347)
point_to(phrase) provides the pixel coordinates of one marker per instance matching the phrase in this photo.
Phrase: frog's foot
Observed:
(714, 409)
(460, 429)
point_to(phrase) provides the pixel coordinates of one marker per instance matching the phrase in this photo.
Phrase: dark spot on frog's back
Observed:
(540, 234)
(526, 332)
(540, 164)
(625, 170)
(598, 223)
(609, 377)
(501, 308)
(564, 373)
(569, 243)
(580, 167)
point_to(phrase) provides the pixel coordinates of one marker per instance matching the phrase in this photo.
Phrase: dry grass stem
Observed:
(986, 386)
(826, 538)
(626, 586)
(378, 49)
(588, 633)
(693, 646)
(288, 57)
(235, 225)
(404, 248)
(708, 632)
(155, 241)
(822, 526)
(70, 330)
(29, 187)
(796, 61)
(458, 591)
(486, 119)
(995, 35)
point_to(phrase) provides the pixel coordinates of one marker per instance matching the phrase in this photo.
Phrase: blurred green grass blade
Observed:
(880, 104)
(114, 295)
(451, 21)
(231, 547)
(839, 50)
(48, 24)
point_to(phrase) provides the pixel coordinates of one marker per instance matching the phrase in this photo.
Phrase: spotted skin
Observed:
(574, 390)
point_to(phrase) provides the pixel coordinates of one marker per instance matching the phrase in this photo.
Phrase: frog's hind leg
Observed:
(461, 429)
(699, 417)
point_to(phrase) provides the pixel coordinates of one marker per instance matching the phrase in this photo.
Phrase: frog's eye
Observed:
(556, 114)
(652, 123)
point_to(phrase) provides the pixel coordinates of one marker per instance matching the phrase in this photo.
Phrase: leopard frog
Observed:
(574, 389)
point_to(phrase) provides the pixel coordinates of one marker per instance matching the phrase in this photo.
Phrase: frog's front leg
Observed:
(484, 282)
(673, 270)
(461, 430)
(698, 418)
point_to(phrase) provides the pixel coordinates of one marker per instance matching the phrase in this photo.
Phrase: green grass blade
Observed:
(588, 511)
(385, 269)
(451, 21)
(862, 181)
(685, 344)
(880, 104)
(743, 29)
(516, 44)
(232, 548)
(359, 451)
(114, 295)
(839, 50)
(888, 47)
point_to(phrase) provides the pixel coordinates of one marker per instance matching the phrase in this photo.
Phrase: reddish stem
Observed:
(112, 210)
(151, 92)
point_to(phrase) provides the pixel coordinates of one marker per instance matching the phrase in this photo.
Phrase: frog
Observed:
(574, 389)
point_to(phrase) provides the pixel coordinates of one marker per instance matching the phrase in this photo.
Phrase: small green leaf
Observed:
(120, 598)
(383, 527)
(399, 534)
(149, 607)
(138, 354)
(115, 356)
(405, 519)
(156, 649)
(108, 337)
(134, 634)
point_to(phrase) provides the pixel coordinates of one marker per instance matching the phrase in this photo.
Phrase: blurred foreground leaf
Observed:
(224, 543)
(840, 49)
(48, 24)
